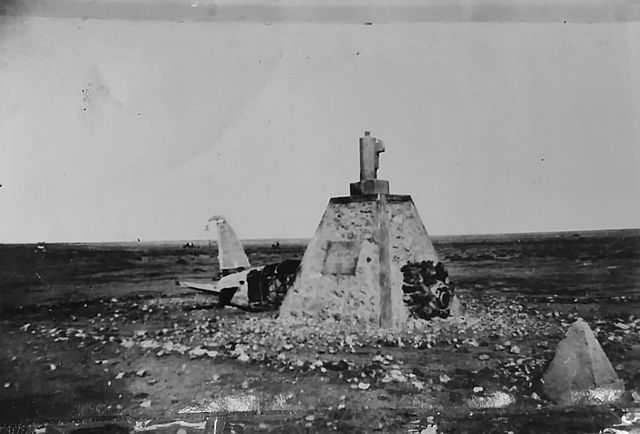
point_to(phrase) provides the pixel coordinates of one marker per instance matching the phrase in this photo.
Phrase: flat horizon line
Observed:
(301, 239)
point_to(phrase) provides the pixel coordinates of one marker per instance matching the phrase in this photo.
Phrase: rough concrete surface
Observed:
(579, 366)
(355, 298)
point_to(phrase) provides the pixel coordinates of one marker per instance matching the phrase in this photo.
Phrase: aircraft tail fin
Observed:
(231, 254)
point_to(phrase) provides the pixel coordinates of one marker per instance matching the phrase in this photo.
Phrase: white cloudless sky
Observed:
(118, 129)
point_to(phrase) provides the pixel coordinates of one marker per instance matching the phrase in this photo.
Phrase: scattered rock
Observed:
(430, 429)
(141, 373)
(199, 352)
(472, 342)
(444, 378)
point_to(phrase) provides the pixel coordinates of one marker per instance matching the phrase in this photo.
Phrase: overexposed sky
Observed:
(116, 125)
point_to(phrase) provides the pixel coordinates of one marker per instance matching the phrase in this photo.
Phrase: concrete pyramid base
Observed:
(580, 369)
(350, 272)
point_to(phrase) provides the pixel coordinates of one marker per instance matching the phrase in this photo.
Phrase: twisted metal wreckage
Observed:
(241, 285)
(427, 291)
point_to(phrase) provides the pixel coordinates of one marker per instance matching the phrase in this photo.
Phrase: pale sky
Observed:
(136, 120)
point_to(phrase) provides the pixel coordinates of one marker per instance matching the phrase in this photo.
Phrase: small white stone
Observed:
(444, 378)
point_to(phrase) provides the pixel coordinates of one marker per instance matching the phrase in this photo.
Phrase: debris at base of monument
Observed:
(427, 292)
(580, 370)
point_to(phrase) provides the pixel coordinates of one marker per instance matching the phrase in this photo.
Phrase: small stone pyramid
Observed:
(579, 367)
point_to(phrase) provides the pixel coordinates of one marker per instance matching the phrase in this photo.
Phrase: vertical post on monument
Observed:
(386, 311)
(370, 149)
(369, 184)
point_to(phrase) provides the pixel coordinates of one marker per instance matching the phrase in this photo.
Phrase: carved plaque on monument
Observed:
(341, 257)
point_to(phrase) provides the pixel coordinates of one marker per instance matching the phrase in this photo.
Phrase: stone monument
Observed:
(371, 261)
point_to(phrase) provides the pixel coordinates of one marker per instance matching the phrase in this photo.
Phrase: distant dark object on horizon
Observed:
(41, 247)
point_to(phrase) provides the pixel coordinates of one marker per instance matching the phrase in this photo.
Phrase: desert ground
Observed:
(98, 338)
